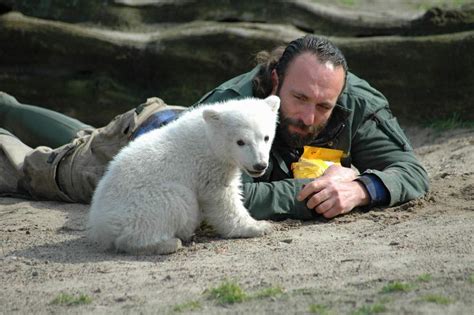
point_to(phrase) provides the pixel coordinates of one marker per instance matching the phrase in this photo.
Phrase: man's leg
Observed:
(12, 156)
(71, 172)
(14, 150)
(35, 125)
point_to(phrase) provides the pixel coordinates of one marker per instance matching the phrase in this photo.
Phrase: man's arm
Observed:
(381, 149)
(276, 200)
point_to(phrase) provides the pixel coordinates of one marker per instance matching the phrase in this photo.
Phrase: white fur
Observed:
(157, 190)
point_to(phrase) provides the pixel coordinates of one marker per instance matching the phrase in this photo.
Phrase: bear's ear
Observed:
(211, 116)
(274, 102)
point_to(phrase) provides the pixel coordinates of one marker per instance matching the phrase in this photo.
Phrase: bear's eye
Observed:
(240, 142)
(266, 138)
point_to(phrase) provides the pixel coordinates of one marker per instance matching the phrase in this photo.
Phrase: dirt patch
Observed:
(342, 265)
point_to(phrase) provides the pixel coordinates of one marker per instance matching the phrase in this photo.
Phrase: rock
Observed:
(94, 74)
(95, 59)
(423, 77)
(306, 15)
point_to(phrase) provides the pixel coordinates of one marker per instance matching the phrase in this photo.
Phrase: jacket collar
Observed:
(336, 124)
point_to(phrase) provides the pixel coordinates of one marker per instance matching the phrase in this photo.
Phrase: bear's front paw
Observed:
(258, 228)
(265, 227)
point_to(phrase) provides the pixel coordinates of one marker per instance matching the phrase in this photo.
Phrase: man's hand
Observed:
(343, 174)
(335, 193)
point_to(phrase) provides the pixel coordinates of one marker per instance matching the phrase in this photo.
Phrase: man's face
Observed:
(308, 94)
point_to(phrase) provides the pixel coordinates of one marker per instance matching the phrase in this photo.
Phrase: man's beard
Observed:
(295, 140)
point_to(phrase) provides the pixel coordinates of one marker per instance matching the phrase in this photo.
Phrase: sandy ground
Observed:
(341, 266)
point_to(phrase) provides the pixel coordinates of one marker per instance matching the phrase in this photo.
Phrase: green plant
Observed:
(425, 5)
(471, 278)
(268, 292)
(228, 293)
(453, 122)
(435, 298)
(68, 300)
(370, 309)
(426, 277)
(396, 287)
(318, 309)
(188, 306)
(347, 2)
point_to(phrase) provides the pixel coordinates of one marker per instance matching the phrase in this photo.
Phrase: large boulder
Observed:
(425, 78)
(94, 59)
(307, 15)
(93, 73)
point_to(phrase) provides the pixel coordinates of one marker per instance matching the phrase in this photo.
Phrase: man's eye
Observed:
(240, 142)
(266, 138)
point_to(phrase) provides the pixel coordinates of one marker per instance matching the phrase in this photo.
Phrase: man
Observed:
(322, 105)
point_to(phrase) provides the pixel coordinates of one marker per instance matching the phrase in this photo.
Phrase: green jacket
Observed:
(361, 125)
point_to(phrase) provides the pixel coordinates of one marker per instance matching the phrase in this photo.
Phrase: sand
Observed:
(423, 248)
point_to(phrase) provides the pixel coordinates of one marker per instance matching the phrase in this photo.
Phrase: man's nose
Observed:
(308, 115)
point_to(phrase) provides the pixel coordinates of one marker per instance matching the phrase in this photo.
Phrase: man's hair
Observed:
(281, 57)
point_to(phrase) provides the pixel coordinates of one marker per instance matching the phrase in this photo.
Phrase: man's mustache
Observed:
(300, 124)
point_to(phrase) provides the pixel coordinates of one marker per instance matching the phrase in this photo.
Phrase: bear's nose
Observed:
(260, 167)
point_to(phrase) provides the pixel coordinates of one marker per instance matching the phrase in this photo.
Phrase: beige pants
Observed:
(71, 172)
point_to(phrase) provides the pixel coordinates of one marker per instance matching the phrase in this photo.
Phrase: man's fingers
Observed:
(324, 207)
(331, 213)
(317, 199)
(340, 173)
(310, 189)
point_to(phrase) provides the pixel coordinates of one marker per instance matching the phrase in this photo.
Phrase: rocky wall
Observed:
(91, 64)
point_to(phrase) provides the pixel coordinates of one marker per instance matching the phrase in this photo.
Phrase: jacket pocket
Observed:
(393, 130)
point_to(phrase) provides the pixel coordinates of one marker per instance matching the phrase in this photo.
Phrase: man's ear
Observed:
(211, 117)
(274, 102)
(275, 82)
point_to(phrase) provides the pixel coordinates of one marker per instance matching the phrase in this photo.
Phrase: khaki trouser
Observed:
(71, 172)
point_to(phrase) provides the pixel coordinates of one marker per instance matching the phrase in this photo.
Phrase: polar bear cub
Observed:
(159, 188)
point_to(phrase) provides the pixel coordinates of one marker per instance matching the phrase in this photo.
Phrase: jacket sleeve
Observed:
(276, 200)
(219, 95)
(380, 147)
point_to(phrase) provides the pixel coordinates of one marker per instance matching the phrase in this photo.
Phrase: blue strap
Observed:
(157, 120)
